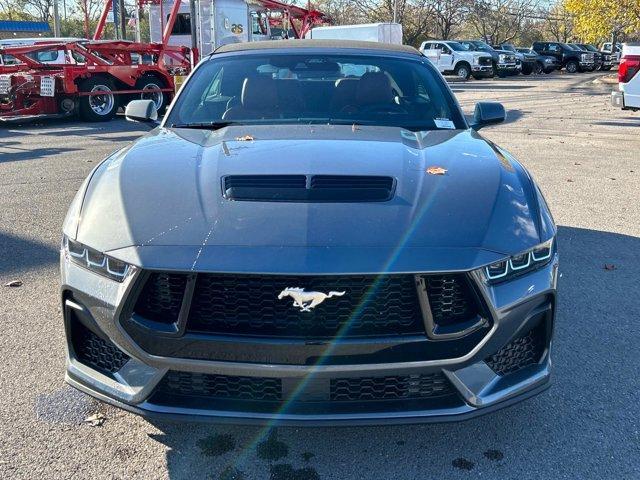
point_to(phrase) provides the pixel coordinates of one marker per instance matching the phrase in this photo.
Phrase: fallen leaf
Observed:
(13, 283)
(95, 420)
(577, 163)
(245, 138)
(225, 149)
(609, 266)
(569, 180)
(434, 170)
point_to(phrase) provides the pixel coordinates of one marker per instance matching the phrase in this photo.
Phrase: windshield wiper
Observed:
(204, 125)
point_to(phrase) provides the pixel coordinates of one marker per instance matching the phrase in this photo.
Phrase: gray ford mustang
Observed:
(314, 234)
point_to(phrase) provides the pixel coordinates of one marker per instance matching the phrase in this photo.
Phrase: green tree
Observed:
(596, 20)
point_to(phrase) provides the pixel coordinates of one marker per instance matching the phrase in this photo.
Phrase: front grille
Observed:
(485, 60)
(451, 299)
(311, 188)
(390, 388)
(161, 297)
(96, 352)
(521, 352)
(221, 386)
(249, 304)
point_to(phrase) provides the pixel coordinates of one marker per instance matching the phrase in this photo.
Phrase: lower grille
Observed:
(485, 60)
(390, 388)
(451, 299)
(221, 386)
(521, 352)
(96, 352)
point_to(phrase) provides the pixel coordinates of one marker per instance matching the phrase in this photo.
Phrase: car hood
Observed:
(159, 203)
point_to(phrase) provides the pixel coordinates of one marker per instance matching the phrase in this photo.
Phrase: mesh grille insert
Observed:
(390, 388)
(96, 352)
(221, 386)
(249, 304)
(451, 299)
(161, 297)
(521, 352)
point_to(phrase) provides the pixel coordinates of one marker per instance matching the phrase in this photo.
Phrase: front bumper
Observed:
(482, 70)
(475, 388)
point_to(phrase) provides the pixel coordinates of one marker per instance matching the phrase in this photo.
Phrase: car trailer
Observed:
(96, 77)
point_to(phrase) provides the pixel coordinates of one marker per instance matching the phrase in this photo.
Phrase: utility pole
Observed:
(395, 11)
(56, 19)
(123, 20)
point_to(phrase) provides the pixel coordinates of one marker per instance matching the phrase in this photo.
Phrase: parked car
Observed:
(628, 95)
(571, 59)
(615, 51)
(504, 63)
(527, 63)
(543, 63)
(604, 60)
(452, 58)
(597, 56)
(264, 291)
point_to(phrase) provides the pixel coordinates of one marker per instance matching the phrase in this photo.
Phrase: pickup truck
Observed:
(528, 63)
(604, 60)
(572, 59)
(504, 62)
(453, 58)
(543, 63)
(628, 95)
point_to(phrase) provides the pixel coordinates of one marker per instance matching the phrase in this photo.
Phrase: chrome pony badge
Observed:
(305, 301)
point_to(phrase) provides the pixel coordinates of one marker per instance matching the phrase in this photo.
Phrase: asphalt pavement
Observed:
(585, 155)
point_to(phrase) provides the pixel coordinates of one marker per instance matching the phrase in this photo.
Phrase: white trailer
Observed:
(218, 22)
(369, 32)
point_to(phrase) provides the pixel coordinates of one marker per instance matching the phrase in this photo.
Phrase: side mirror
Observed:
(488, 113)
(141, 111)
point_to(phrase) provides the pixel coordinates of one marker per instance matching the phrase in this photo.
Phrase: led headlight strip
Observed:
(521, 263)
(95, 261)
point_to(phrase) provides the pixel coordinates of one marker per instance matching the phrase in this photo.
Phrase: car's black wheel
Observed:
(572, 66)
(539, 68)
(151, 83)
(98, 107)
(463, 71)
(527, 69)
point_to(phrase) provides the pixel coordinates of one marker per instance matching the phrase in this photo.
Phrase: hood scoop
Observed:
(308, 188)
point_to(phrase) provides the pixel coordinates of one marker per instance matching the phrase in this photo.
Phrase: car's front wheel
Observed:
(463, 71)
(539, 68)
(572, 66)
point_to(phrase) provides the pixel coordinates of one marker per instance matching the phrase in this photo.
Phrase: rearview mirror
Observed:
(488, 113)
(141, 111)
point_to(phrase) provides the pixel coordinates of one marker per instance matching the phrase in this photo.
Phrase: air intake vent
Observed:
(301, 188)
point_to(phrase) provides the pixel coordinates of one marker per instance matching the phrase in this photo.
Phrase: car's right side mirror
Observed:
(141, 111)
(488, 113)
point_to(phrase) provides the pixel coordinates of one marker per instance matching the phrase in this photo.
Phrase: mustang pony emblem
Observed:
(305, 301)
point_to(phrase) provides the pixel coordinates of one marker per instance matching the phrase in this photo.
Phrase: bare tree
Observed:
(41, 9)
(559, 23)
(448, 16)
(499, 21)
(416, 16)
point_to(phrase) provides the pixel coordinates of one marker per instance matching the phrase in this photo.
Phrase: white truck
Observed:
(628, 95)
(369, 32)
(453, 58)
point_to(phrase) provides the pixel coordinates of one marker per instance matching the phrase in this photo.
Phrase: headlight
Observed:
(476, 60)
(584, 57)
(502, 58)
(519, 264)
(548, 60)
(95, 261)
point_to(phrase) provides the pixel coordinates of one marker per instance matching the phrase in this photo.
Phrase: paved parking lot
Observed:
(586, 157)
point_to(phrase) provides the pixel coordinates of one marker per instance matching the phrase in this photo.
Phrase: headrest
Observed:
(259, 93)
(374, 88)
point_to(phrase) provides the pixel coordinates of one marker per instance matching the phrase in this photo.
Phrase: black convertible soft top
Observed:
(320, 44)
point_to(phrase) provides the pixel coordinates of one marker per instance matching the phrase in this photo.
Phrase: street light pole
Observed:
(56, 19)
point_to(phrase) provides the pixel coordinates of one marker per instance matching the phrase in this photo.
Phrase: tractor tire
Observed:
(160, 99)
(97, 108)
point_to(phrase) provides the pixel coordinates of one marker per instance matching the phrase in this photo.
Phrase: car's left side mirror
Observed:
(488, 113)
(141, 111)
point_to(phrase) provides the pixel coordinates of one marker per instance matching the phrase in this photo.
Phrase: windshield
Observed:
(590, 48)
(483, 46)
(316, 88)
(458, 47)
(509, 48)
(568, 46)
